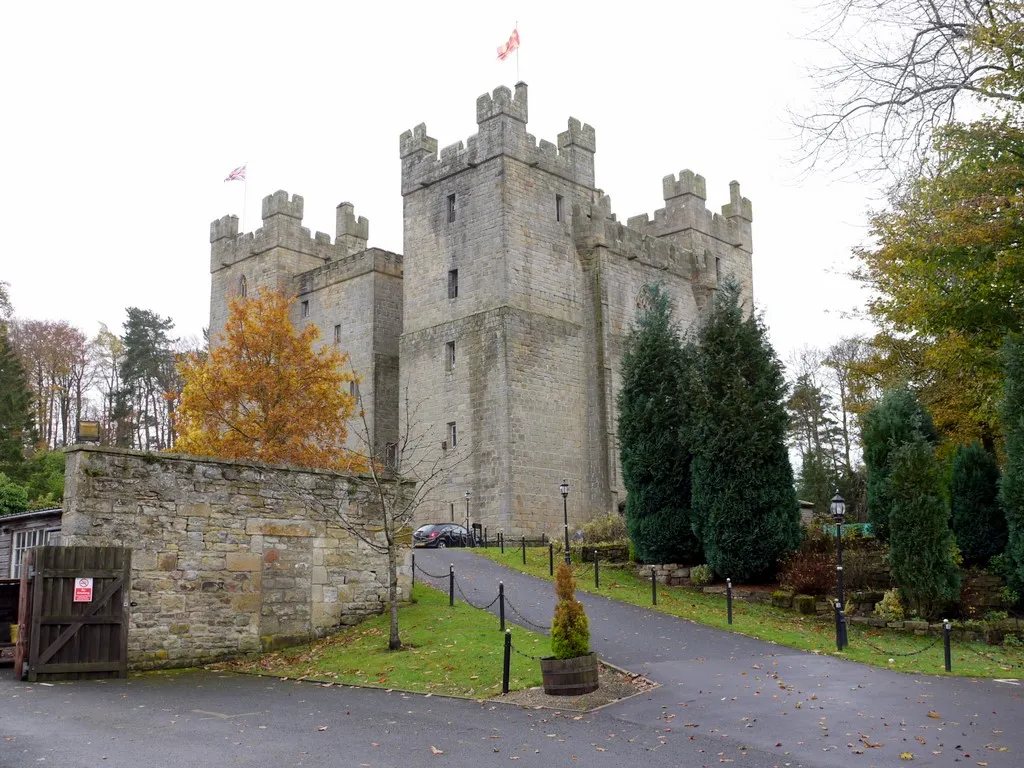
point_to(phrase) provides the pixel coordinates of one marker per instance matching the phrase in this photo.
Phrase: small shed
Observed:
(18, 534)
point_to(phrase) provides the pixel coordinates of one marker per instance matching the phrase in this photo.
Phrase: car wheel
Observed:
(441, 545)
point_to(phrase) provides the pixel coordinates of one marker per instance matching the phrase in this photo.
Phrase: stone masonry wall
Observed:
(226, 558)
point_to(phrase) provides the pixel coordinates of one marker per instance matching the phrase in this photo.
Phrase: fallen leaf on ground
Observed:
(935, 715)
(435, 750)
(906, 755)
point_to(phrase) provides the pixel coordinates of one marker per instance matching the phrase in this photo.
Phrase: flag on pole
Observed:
(505, 50)
(237, 175)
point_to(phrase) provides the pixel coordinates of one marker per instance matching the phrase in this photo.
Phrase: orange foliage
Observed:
(263, 393)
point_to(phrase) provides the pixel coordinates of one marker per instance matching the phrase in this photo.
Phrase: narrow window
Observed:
(337, 334)
(453, 283)
(391, 455)
(451, 207)
(718, 270)
(243, 287)
(449, 356)
(305, 309)
(452, 435)
(559, 216)
(353, 389)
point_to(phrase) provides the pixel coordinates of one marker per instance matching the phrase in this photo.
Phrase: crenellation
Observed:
(223, 228)
(351, 234)
(416, 144)
(502, 102)
(689, 183)
(278, 204)
(578, 135)
(738, 206)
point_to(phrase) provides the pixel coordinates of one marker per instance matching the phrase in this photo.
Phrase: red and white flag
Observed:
(505, 50)
(237, 175)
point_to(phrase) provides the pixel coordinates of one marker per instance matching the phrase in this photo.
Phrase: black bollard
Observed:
(508, 661)
(501, 541)
(524, 550)
(451, 585)
(654, 587)
(597, 573)
(839, 629)
(414, 570)
(728, 598)
(551, 559)
(945, 638)
(485, 537)
(501, 605)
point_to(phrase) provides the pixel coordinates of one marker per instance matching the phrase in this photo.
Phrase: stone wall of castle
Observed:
(227, 557)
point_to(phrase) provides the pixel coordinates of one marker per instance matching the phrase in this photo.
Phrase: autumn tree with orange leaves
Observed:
(264, 394)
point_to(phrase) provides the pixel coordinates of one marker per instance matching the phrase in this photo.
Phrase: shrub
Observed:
(977, 520)
(570, 630)
(610, 528)
(890, 607)
(809, 573)
(1009, 596)
(1011, 485)
(922, 550)
(701, 575)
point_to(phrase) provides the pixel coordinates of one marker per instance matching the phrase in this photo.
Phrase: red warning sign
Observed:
(83, 590)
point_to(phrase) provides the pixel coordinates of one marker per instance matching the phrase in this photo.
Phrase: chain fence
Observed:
(542, 627)
(428, 574)
(525, 655)
(994, 661)
(470, 602)
(884, 652)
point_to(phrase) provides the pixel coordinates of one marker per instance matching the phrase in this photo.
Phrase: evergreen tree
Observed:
(16, 423)
(921, 546)
(818, 481)
(13, 498)
(1011, 486)
(744, 506)
(654, 411)
(977, 520)
(895, 421)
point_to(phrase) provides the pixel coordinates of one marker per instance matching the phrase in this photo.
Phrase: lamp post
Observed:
(838, 509)
(468, 529)
(564, 489)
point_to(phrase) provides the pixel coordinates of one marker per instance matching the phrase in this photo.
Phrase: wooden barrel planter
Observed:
(569, 677)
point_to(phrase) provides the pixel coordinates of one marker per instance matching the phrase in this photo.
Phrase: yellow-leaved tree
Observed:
(264, 393)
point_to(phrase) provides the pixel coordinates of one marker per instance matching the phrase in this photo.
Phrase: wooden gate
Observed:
(61, 634)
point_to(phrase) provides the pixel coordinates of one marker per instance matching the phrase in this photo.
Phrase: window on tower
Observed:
(451, 207)
(449, 356)
(453, 283)
(559, 211)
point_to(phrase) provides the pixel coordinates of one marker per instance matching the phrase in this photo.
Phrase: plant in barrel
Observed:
(573, 668)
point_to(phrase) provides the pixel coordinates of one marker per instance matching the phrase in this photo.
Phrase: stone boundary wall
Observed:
(226, 557)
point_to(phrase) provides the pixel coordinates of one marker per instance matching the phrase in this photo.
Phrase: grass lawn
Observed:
(808, 633)
(452, 651)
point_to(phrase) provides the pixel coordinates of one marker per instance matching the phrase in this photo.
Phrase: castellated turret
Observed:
(352, 293)
(505, 318)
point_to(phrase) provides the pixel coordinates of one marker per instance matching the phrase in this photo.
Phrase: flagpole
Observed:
(245, 193)
(517, 52)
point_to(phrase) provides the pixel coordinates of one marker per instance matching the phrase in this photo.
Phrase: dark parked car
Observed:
(441, 535)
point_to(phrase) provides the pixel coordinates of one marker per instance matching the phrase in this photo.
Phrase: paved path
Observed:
(724, 699)
(773, 699)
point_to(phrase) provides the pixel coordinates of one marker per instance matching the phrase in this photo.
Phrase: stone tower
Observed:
(519, 287)
(353, 294)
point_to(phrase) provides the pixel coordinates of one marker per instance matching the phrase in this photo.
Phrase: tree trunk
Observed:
(394, 643)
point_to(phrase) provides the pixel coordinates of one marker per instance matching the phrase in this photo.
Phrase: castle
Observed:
(506, 314)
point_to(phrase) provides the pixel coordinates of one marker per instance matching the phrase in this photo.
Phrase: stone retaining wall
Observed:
(226, 557)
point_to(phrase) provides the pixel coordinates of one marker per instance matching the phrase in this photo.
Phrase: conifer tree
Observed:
(654, 412)
(921, 545)
(895, 421)
(744, 506)
(977, 520)
(16, 423)
(1011, 485)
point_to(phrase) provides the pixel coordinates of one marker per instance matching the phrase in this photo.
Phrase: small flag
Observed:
(237, 175)
(504, 51)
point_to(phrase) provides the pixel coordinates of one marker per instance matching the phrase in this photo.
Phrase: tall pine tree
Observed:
(654, 412)
(895, 421)
(1011, 486)
(977, 520)
(744, 506)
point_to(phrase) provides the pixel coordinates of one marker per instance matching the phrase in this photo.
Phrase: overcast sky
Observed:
(122, 119)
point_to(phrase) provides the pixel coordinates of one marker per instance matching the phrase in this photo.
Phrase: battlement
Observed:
(595, 226)
(502, 102)
(572, 157)
(282, 228)
(224, 227)
(582, 136)
(689, 183)
(354, 265)
(686, 220)
(278, 204)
